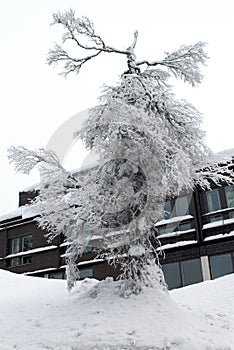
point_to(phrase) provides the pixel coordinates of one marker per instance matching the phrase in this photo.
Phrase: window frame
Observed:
(177, 209)
(226, 188)
(20, 244)
(209, 193)
(22, 247)
(182, 274)
(85, 274)
(171, 207)
(219, 255)
(21, 260)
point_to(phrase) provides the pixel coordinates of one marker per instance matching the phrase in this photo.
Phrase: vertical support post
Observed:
(205, 268)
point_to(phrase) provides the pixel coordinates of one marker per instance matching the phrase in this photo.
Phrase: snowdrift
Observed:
(39, 314)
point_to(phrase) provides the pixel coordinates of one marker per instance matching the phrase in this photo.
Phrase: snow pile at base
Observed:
(39, 314)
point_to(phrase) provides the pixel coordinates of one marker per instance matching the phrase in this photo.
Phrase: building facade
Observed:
(196, 236)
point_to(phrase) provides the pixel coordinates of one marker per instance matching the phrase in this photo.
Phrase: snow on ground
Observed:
(39, 314)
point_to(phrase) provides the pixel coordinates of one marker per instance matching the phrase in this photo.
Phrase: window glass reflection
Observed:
(229, 193)
(213, 200)
(221, 265)
(191, 271)
(172, 275)
(182, 206)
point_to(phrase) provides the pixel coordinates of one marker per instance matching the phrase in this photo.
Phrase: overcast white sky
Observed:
(35, 101)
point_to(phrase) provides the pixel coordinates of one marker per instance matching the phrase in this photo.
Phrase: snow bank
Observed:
(38, 314)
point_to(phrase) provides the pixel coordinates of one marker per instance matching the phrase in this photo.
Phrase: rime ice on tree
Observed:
(150, 145)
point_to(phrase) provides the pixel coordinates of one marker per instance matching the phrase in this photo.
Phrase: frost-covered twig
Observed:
(183, 63)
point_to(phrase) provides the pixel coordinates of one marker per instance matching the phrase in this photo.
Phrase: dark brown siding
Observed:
(26, 197)
(179, 254)
(103, 270)
(40, 261)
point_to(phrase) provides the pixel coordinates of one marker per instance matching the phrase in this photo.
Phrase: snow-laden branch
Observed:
(183, 63)
(25, 160)
(81, 32)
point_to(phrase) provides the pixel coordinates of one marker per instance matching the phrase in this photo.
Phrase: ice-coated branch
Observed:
(81, 32)
(25, 160)
(183, 63)
(58, 54)
(78, 26)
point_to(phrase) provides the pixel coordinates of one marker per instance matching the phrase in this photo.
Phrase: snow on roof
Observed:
(11, 215)
(226, 154)
(23, 212)
(32, 188)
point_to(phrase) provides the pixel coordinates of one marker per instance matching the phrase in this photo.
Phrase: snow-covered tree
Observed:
(150, 146)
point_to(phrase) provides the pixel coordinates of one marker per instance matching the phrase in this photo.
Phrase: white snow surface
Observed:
(176, 244)
(219, 236)
(175, 233)
(31, 251)
(219, 211)
(25, 212)
(173, 220)
(218, 223)
(11, 215)
(39, 314)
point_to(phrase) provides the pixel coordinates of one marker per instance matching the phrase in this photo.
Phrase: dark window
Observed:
(221, 265)
(182, 273)
(20, 244)
(14, 246)
(213, 200)
(27, 259)
(191, 271)
(26, 243)
(172, 275)
(56, 275)
(184, 226)
(169, 228)
(229, 193)
(165, 229)
(167, 210)
(216, 218)
(182, 206)
(20, 260)
(175, 207)
(85, 273)
(15, 262)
